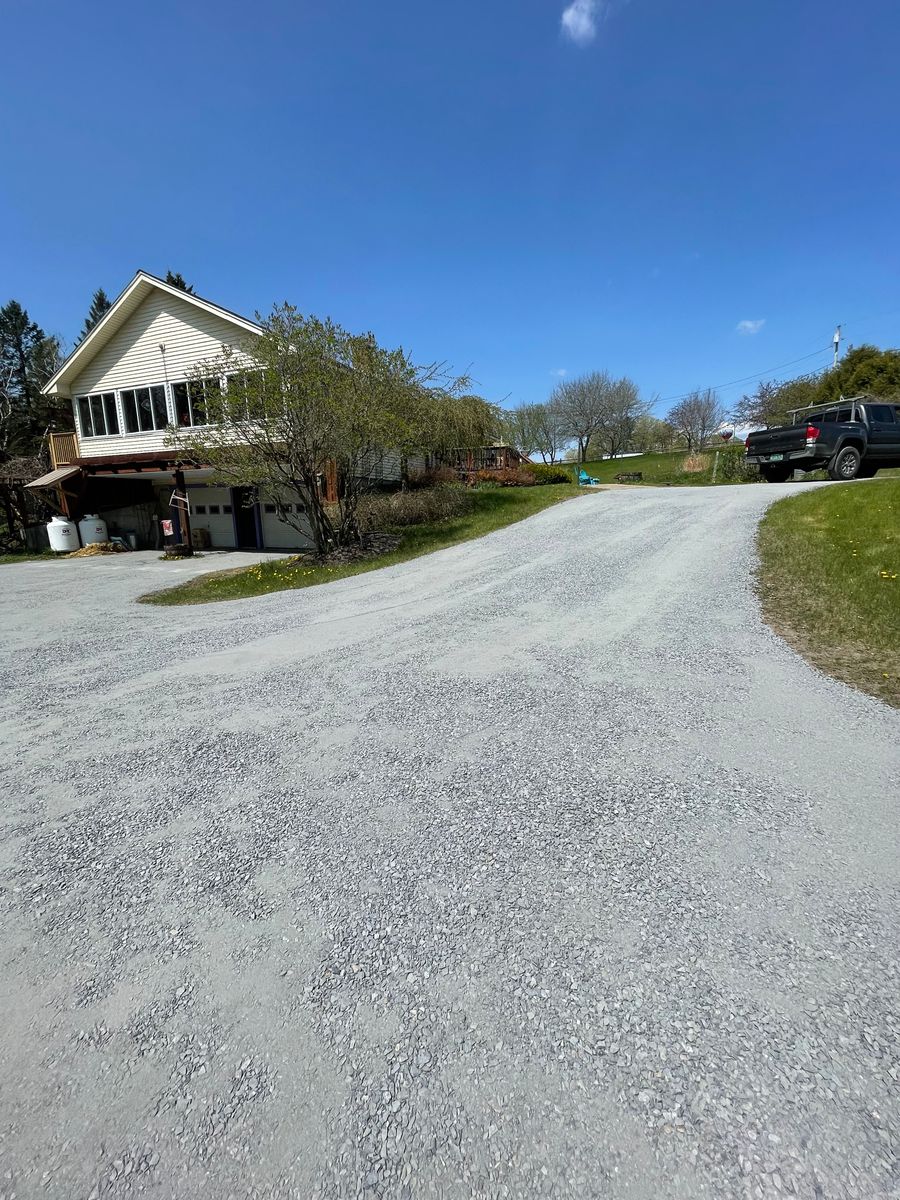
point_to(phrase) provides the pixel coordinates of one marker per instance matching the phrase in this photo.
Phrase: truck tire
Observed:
(775, 474)
(846, 464)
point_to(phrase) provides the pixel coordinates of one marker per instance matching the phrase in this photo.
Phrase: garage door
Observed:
(211, 510)
(279, 535)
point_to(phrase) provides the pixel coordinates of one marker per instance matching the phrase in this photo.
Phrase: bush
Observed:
(424, 506)
(734, 468)
(549, 472)
(432, 477)
(695, 464)
(506, 477)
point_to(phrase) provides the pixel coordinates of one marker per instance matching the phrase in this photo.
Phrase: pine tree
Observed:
(28, 357)
(176, 279)
(99, 305)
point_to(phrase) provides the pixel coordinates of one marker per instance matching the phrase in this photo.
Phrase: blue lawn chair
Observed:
(585, 480)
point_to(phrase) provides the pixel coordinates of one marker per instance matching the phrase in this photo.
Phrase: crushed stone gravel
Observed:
(535, 867)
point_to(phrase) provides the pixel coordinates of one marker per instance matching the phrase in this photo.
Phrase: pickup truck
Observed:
(851, 439)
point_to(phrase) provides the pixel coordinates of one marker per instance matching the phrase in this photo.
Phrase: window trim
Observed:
(188, 384)
(90, 397)
(120, 394)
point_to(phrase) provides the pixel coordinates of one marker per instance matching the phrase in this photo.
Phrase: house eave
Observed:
(121, 309)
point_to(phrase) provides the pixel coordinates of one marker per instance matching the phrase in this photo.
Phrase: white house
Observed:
(130, 382)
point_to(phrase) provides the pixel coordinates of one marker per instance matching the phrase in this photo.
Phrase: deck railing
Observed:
(63, 449)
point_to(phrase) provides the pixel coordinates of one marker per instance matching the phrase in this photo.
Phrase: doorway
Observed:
(246, 530)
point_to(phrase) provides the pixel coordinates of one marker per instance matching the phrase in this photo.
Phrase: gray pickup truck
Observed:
(851, 439)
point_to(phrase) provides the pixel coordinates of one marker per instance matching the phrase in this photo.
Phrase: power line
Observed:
(746, 378)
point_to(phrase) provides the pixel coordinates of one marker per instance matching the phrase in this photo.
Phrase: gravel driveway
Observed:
(534, 867)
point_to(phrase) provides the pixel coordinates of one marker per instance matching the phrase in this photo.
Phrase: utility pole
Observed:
(837, 345)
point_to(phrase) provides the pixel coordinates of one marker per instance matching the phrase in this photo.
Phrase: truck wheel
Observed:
(779, 474)
(845, 464)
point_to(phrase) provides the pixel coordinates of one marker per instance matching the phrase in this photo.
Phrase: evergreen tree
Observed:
(28, 357)
(176, 279)
(99, 305)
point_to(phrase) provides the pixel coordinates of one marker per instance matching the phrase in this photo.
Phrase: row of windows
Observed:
(145, 410)
(213, 510)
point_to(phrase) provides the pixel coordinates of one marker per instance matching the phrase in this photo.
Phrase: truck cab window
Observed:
(880, 412)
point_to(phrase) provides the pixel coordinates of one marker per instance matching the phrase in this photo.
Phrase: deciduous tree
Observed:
(307, 394)
(697, 417)
(578, 406)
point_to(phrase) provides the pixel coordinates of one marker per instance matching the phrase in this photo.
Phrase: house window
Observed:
(214, 510)
(269, 508)
(145, 409)
(196, 402)
(97, 414)
(226, 508)
(200, 510)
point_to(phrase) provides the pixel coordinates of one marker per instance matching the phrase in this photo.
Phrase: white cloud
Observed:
(580, 20)
(560, 371)
(747, 328)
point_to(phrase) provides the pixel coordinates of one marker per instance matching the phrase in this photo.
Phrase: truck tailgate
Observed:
(777, 441)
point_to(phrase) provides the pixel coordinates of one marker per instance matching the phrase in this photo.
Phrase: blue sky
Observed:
(515, 186)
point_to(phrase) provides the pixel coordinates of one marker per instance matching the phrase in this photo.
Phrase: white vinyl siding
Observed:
(132, 358)
(385, 466)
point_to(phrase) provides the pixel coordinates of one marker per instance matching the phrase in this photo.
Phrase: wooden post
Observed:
(183, 513)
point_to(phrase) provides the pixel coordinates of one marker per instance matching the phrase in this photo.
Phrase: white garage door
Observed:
(211, 510)
(279, 535)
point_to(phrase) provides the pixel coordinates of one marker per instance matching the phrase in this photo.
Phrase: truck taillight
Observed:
(812, 432)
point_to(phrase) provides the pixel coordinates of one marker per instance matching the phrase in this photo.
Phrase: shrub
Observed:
(733, 466)
(432, 477)
(506, 477)
(694, 464)
(424, 506)
(549, 472)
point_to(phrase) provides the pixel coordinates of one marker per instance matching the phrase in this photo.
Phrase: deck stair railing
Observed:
(63, 449)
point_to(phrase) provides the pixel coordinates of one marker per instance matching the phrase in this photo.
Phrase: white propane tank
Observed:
(92, 529)
(63, 535)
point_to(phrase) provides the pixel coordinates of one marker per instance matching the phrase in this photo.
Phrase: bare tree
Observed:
(519, 427)
(622, 409)
(651, 433)
(579, 406)
(697, 417)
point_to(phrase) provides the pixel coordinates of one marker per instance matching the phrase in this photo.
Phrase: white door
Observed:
(211, 510)
(279, 535)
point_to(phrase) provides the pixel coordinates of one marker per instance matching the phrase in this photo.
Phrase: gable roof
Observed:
(122, 308)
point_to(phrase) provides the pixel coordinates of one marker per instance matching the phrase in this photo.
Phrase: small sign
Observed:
(168, 529)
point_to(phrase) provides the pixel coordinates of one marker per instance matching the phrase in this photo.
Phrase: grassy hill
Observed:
(829, 580)
(667, 469)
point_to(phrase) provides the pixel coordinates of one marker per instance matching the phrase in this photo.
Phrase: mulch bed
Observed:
(372, 545)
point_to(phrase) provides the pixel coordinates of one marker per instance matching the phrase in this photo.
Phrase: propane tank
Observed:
(92, 529)
(63, 535)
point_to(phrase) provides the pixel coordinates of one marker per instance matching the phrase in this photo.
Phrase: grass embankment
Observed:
(664, 469)
(493, 508)
(668, 469)
(829, 581)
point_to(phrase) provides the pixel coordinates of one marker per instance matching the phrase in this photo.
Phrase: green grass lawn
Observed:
(829, 580)
(659, 469)
(27, 556)
(494, 508)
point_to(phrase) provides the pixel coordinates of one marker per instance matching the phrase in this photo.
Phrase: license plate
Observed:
(776, 457)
